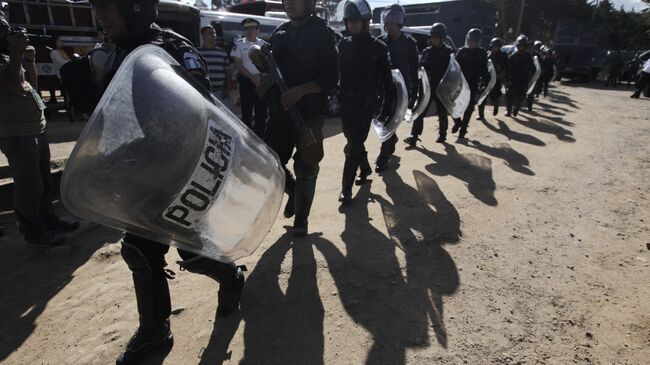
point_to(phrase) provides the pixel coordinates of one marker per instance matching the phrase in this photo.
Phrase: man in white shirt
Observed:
(249, 77)
(644, 81)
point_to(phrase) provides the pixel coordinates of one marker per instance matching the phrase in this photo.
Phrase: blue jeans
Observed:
(29, 161)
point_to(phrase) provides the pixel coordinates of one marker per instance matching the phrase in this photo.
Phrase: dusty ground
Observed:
(526, 245)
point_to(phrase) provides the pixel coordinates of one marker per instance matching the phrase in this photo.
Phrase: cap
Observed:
(250, 22)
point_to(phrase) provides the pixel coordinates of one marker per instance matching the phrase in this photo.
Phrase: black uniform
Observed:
(404, 57)
(548, 68)
(521, 69)
(500, 62)
(530, 99)
(146, 258)
(473, 62)
(304, 53)
(435, 61)
(365, 79)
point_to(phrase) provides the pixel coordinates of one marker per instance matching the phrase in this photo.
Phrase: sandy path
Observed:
(526, 245)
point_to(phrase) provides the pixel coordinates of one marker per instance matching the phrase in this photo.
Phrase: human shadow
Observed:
(558, 120)
(545, 126)
(513, 159)
(473, 169)
(396, 307)
(31, 277)
(216, 351)
(505, 131)
(563, 99)
(281, 306)
(548, 105)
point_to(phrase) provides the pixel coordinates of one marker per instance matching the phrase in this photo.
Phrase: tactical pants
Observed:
(494, 96)
(29, 162)
(515, 97)
(443, 119)
(467, 116)
(356, 116)
(146, 260)
(282, 137)
(249, 102)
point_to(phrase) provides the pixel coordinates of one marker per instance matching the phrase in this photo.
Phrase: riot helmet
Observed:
(496, 42)
(357, 9)
(522, 41)
(438, 30)
(138, 14)
(310, 8)
(473, 35)
(393, 13)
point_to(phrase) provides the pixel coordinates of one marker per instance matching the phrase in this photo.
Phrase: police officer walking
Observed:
(365, 78)
(520, 71)
(473, 62)
(500, 63)
(535, 51)
(130, 23)
(435, 60)
(548, 69)
(404, 56)
(249, 77)
(304, 49)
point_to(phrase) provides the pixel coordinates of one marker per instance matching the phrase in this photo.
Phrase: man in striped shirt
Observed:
(218, 63)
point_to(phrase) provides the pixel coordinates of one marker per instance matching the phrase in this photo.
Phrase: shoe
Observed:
(455, 128)
(381, 165)
(495, 111)
(480, 117)
(508, 114)
(290, 208)
(441, 139)
(229, 297)
(144, 342)
(45, 239)
(462, 135)
(362, 178)
(411, 140)
(346, 196)
(635, 96)
(62, 225)
(300, 227)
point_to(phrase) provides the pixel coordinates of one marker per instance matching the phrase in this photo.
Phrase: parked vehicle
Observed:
(582, 48)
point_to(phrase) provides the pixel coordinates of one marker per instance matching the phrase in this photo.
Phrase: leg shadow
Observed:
(545, 126)
(513, 159)
(558, 120)
(216, 352)
(281, 306)
(473, 169)
(513, 135)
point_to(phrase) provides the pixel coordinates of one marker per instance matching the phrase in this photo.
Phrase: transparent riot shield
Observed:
(164, 161)
(453, 90)
(533, 81)
(424, 97)
(385, 131)
(493, 80)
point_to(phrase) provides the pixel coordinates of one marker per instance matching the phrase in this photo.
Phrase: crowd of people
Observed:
(313, 63)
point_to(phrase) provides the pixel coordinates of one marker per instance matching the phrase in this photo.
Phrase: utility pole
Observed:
(521, 17)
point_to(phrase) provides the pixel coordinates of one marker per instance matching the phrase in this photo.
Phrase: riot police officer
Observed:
(535, 51)
(435, 60)
(520, 71)
(500, 63)
(304, 49)
(404, 56)
(473, 61)
(130, 23)
(365, 78)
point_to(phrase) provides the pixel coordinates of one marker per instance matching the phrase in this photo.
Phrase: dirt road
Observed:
(527, 245)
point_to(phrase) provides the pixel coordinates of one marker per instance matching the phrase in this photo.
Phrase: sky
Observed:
(629, 4)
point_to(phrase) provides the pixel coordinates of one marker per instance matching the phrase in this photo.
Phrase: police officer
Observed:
(500, 63)
(535, 51)
(520, 71)
(305, 50)
(435, 60)
(548, 69)
(473, 62)
(249, 77)
(404, 56)
(130, 23)
(365, 78)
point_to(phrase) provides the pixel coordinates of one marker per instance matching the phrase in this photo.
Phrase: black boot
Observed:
(411, 140)
(496, 110)
(289, 187)
(346, 196)
(154, 306)
(229, 277)
(144, 342)
(481, 112)
(305, 189)
(441, 138)
(365, 171)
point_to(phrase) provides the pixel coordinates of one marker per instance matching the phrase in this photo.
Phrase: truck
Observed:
(582, 48)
